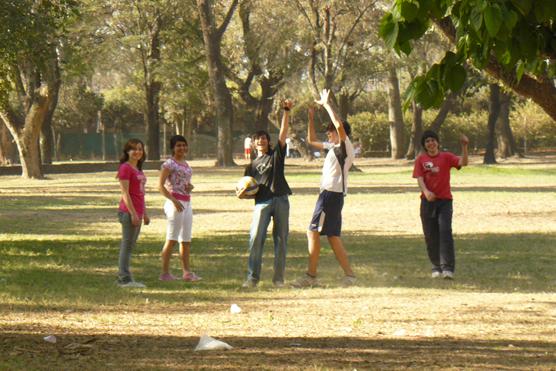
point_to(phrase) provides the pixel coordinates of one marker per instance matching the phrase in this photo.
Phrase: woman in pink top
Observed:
(131, 211)
(175, 185)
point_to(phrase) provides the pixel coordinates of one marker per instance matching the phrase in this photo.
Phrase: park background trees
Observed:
(92, 73)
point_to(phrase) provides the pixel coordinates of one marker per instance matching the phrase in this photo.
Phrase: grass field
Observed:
(59, 241)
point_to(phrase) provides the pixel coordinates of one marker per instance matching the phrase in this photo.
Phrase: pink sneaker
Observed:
(191, 277)
(166, 277)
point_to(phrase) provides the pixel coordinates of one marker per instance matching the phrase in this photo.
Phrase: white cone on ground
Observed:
(50, 339)
(208, 343)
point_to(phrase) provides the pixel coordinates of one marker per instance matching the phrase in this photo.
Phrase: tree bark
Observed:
(414, 147)
(493, 112)
(46, 137)
(445, 108)
(506, 143)
(212, 37)
(7, 146)
(152, 92)
(395, 115)
(37, 86)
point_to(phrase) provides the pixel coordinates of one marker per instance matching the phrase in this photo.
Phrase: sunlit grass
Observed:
(59, 242)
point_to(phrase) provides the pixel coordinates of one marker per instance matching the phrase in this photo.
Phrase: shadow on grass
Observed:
(85, 271)
(21, 349)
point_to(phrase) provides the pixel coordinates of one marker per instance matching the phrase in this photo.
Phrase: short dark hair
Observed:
(347, 127)
(261, 133)
(428, 134)
(175, 139)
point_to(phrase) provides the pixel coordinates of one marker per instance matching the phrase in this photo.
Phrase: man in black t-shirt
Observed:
(271, 201)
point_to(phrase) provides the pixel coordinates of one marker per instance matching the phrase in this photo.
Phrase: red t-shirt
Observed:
(436, 173)
(137, 182)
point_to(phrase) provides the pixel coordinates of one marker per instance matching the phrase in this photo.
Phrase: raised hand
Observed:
(323, 97)
(287, 104)
(464, 140)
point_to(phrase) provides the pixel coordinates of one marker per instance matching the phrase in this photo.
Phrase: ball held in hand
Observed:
(249, 184)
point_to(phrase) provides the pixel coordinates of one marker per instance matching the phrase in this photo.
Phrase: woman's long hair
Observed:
(132, 145)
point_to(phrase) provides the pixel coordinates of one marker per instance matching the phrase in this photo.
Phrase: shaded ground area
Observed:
(172, 352)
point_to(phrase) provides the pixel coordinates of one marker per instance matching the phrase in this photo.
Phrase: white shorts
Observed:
(179, 223)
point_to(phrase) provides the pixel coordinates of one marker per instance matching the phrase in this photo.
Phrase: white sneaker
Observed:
(306, 281)
(348, 281)
(132, 284)
(436, 274)
(249, 284)
(447, 275)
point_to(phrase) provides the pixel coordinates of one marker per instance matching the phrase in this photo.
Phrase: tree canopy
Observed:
(514, 41)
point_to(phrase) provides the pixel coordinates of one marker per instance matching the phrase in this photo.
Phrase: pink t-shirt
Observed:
(137, 182)
(179, 178)
(436, 173)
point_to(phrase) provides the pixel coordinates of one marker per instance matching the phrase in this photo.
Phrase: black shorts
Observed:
(327, 217)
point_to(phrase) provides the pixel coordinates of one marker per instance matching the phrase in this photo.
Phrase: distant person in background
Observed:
(271, 202)
(132, 211)
(327, 216)
(175, 184)
(247, 148)
(432, 171)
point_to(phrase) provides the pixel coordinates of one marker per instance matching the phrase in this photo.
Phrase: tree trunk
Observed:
(493, 112)
(8, 149)
(414, 147)
(212, 37)
(27, 135)
(46, 140)
(152, 93)
(264, 104)
(395, 116)
(42, 84)
(506, 143)
(445, 108)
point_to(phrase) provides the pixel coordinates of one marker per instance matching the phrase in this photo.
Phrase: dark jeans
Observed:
(436, 218)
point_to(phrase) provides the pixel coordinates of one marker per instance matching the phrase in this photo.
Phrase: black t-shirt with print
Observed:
(268, 170)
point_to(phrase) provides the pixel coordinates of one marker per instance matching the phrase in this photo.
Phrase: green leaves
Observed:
(388, 30)
(524, 6)
(493, 19)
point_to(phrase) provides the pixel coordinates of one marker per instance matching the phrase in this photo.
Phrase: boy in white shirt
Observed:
(327, 217)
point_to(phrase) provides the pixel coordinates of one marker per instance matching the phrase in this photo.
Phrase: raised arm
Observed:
(336, 120)
(311, 134)
(284, 126)
(464, 159)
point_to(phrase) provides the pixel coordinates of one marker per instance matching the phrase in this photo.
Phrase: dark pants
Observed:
(436, 218)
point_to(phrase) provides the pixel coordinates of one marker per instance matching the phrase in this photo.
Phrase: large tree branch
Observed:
(220, 30)
(542, 92)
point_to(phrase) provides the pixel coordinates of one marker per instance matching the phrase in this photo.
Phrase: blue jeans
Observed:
(436, 218)
(130, 233)
(279, 209)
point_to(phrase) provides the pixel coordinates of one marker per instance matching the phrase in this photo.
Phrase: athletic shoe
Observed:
(278, 284)
(166, 277)
(132, 284)
(447, 275)
(436, 274)
(249, 284)
(348, 281)
(306, 281)
(191, 277)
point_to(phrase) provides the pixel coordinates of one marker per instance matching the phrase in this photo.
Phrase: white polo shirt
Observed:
(331, 179)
